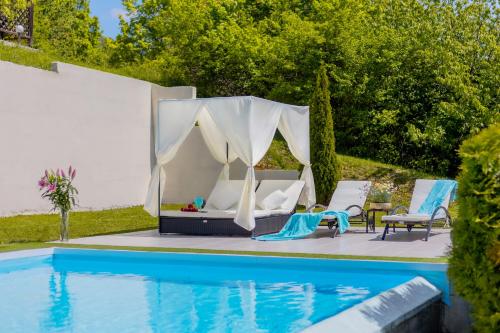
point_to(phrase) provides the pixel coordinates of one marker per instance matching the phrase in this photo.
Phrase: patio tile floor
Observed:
(354, 242)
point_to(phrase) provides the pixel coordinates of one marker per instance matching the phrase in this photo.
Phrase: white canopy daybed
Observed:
(246, 125)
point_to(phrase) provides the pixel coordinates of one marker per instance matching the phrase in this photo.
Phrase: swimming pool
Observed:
(72, 290)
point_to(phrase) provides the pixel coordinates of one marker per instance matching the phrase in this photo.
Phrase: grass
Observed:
(25, 57)
(25, 246)
(45, 227)
(43, 60)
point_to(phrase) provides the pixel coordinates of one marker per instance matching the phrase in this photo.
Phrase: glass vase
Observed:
(64, 226)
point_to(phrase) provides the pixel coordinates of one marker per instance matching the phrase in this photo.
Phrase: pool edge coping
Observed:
(383, 311)
(50, 250)
(19, 254)
(303, 255)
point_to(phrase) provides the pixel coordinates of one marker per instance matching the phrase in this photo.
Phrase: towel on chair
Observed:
(436, 196)
(301, 225)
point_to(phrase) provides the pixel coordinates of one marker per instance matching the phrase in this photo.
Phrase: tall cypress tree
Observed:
(325, 165)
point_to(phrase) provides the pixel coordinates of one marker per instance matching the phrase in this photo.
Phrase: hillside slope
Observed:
(279, 157)
(43, 60)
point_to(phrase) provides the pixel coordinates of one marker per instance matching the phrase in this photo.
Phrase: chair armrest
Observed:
(356, 206)
(448, 216)
(310, 209)
(395, 210)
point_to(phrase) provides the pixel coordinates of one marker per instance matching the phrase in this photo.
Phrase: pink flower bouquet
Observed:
(58, 188)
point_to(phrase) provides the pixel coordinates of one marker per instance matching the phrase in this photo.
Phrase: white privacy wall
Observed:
(98, 122)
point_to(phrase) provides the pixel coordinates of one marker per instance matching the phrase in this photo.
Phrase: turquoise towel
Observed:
(436, 196)
(301, 225)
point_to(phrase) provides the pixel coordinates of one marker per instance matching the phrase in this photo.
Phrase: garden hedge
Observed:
(475, 255)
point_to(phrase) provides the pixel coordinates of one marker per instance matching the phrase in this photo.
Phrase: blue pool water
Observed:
(120, 291)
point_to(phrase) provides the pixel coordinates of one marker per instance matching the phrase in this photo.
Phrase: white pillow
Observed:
(225, 197)
(273, 201)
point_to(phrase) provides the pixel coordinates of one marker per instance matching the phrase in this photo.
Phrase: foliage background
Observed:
(410, 80)
(475, 257)
(9, 7)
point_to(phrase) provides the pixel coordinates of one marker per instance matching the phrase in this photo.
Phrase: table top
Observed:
(379, 209)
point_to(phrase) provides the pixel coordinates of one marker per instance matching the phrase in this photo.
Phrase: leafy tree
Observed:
(425, 82)
(475, 255)
(9, 7)
(412, 79)
(66, 28)
(325, 165)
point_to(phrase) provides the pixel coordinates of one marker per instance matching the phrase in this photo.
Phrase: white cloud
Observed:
(117, 12)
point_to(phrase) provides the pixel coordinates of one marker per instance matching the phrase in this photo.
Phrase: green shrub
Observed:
(475, 256)
(325, 165)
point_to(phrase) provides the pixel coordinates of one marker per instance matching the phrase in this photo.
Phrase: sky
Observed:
(108, 12)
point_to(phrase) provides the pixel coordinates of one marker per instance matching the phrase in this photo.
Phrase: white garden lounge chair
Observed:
(349, 195)
(411, 216)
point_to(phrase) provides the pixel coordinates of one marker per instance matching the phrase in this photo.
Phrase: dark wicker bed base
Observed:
(219, 226)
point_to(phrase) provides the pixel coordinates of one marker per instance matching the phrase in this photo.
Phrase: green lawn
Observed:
(23, 246)
(45, 227)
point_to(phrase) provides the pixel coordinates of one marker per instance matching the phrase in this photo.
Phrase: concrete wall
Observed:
(98, 122)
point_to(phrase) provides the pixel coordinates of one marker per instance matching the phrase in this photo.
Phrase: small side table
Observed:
(371, 221)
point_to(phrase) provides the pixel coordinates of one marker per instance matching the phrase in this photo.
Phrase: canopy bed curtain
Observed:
(216, 143)
(249, 125)
(294, 126)
(232, 127)
(174, 130)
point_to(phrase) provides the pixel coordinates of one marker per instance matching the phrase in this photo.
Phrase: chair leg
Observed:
(335, 232)
(429, 227)
(386, 230)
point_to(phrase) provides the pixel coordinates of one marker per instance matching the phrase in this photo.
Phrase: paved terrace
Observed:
(353, 242)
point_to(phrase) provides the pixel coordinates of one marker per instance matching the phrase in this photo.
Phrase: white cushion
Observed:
(417, 218)
(273, 201)
(225, 190)
(291, 188)
(226, 198)
(218, 214)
